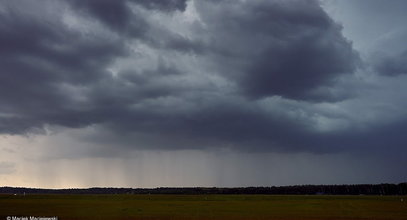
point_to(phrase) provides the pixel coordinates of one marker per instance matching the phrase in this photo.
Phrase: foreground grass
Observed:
(204, 207)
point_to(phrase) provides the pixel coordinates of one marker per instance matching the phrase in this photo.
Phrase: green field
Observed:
(204, 207)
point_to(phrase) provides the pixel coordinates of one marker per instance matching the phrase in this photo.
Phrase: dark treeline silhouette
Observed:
(359, 189)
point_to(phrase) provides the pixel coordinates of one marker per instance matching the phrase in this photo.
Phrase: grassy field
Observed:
(204, 207)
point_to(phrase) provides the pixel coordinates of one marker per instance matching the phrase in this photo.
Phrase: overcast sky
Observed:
(146, 93)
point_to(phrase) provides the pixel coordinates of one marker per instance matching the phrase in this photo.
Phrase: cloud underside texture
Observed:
(250, 75)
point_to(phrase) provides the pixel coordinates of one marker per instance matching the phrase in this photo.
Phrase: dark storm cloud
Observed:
(244, 126)
(40, 56)
(219, 123)
(392, 65)
(162, 5)
(114, 14)
(281, 48)
(118, 16)
(246, 75)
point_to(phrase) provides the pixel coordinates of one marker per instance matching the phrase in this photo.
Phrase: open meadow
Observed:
(204, 207)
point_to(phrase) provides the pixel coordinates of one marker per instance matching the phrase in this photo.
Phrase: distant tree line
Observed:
(359, 189)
